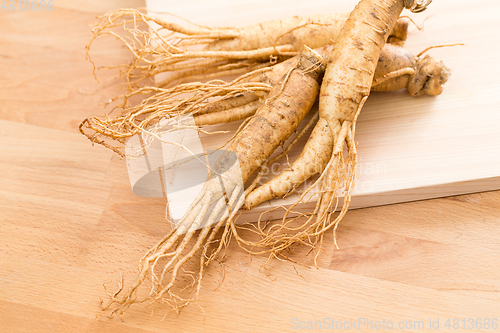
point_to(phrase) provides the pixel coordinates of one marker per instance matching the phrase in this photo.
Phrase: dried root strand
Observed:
(216, 101)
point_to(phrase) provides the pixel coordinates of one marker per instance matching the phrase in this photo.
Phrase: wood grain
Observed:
(69, 220)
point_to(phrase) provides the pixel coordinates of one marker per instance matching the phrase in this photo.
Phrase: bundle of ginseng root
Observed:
(272, 101)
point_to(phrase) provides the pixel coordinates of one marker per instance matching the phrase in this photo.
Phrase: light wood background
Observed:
(69, 220)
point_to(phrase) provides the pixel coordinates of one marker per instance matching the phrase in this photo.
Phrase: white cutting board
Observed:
(408, 148)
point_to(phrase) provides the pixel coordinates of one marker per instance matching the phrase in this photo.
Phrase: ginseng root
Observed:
(224, 51)
(345, 89)
(272, 124)
(396, 69)
(218, 102)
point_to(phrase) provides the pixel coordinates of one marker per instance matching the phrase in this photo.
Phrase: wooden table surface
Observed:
(69, 221)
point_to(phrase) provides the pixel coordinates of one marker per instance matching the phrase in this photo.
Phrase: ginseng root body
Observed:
(396, 69)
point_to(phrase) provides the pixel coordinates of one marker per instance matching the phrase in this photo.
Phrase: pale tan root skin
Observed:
(312, 159)
(227, 116)
(284, 109)
(396, 69)
(227, 104)
(313, 31)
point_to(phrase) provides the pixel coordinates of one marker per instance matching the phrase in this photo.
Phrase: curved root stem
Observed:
(309, 229)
